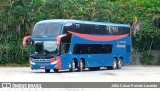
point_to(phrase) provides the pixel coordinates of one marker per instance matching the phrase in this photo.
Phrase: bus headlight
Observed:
(33, 63)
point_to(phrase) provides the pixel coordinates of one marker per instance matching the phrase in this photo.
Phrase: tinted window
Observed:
(65, 44)
(46, 30)
(113, 30)
(93, 48)
(97, 29)
(123, 30)
(67, 28)
(88, 28)
(64, 48)
(78, 28)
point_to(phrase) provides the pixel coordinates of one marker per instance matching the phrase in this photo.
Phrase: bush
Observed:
(146, 59)
(158, 59)
(13, 54)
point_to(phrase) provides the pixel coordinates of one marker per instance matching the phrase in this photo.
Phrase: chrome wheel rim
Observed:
(81, 65)
(120, 63)
(114, 64)
(73, 65)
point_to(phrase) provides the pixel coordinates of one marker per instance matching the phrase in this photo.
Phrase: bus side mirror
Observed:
(58, 38)
(25, 40)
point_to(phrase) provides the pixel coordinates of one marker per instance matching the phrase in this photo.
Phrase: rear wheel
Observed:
(94, 68)
(81, 65)
(120, 63)
(114, 65)
(47, 70)
(56, 70)
(73, 66)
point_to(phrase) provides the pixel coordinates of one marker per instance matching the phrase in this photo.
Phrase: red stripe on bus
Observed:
(58, 65)
(58, 38)
(99, 38)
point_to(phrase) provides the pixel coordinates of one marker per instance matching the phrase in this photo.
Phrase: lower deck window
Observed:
(93, 48)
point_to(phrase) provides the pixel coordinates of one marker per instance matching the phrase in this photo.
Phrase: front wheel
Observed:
(114, 65)
(47, 70)
(56, 70)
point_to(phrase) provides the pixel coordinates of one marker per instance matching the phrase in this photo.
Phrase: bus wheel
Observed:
(114, 65)
(81, 65)
(94, 68)
(90, 68)
(73, 66)
(47, 70)
(120, 63)
(56, 70)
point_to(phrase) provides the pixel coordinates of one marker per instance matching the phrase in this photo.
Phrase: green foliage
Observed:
(17, 18)
(143, 39)
(146, 59)
(158, 59)
(14, 54)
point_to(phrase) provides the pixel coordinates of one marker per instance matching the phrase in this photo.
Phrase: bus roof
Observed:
(80, 21)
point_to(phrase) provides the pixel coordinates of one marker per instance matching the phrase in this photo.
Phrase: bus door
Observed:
(64, 54)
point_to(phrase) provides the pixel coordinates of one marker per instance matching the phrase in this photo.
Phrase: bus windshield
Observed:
(46, 30)
(44, 48)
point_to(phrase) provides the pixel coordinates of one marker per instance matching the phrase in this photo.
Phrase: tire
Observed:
(47, 70)
(114, 65)
(73, 66)
(120, 63)
(94, 68)
(56, 70)
(90, 68)
(81, 66)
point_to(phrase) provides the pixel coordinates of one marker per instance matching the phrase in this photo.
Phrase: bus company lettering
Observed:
(121, 44)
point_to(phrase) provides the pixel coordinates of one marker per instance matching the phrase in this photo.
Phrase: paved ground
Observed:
(126, 74)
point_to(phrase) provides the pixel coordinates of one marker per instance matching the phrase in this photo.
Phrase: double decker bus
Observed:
(60, 44)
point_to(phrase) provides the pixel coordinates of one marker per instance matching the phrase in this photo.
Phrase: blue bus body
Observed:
(83, 50)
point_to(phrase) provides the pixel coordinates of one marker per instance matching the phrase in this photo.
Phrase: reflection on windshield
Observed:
(50, 46)
(46, 30)
(44, 48)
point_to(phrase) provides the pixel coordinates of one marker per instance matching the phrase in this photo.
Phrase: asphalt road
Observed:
(126, 74)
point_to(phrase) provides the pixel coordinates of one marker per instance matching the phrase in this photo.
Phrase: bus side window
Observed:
(127, 30)
(113, 30)
(87, 28)
(64, 48)
(107, 30)
(93, 48)
(77, 25)
(78, 28)
(67, 28)
(96, 31)
(103, 30)
(91, 29)
(123, 30)
(120, 30)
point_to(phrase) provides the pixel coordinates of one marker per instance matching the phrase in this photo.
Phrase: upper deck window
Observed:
(46, 30)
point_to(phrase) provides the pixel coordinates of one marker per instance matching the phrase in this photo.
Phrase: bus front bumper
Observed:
(43, 66)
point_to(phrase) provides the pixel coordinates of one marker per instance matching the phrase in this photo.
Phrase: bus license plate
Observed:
(42, 67)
